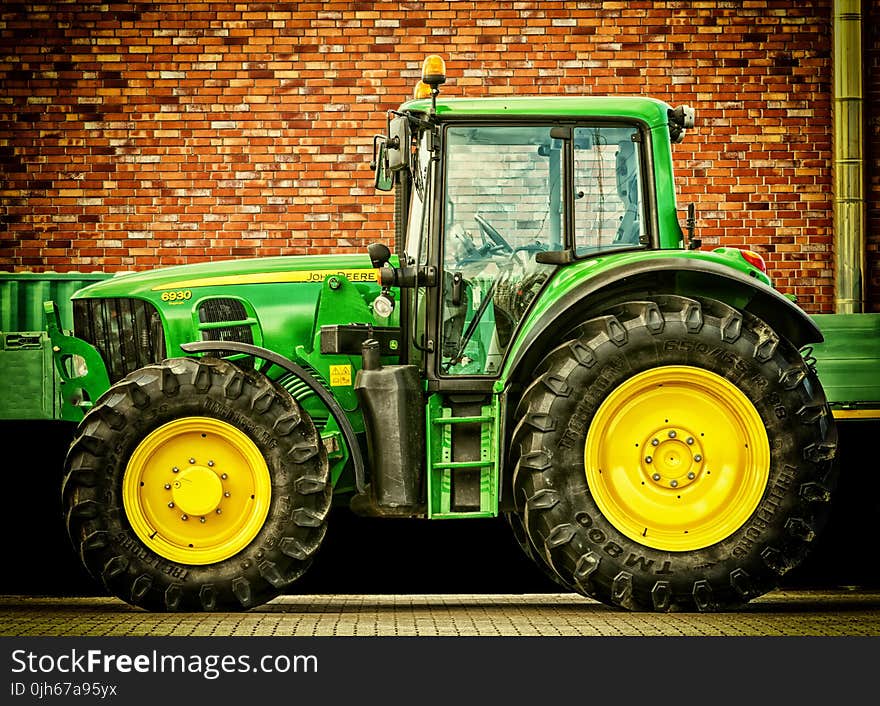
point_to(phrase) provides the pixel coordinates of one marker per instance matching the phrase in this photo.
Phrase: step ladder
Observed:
(442, 469)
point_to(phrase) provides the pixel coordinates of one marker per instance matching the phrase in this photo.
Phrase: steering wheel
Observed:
(493, 234)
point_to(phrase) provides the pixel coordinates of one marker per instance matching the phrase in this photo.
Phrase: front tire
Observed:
(196, 485)
(674, 454)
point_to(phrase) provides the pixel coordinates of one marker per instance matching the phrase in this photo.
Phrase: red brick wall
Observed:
(143, 134)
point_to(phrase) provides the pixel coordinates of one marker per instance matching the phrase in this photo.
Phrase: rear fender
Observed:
(667, 275)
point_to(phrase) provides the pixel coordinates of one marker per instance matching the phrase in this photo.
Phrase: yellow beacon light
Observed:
(434, 71)
(433, 74)
(422, 90)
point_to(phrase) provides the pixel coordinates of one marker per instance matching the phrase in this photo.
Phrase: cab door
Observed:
(503, 203)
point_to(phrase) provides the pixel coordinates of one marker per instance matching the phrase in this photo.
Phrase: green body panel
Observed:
(671, 235)
(284, 304)
(652, 112)
(134, 283)
(28, 386)
(848, 362)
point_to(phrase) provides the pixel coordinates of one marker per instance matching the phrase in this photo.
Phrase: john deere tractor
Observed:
(546, 343)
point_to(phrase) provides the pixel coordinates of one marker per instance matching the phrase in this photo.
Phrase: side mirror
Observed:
(397, 146)
(384, 180)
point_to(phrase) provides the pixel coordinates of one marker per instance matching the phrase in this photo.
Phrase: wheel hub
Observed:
(673, 458)
(197, 491)
(677, 458)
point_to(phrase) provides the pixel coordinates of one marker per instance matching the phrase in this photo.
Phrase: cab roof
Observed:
(651, 111)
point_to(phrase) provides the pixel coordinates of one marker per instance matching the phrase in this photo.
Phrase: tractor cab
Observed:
(493, 196)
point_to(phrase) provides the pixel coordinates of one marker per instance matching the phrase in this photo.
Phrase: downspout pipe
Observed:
(849, 193)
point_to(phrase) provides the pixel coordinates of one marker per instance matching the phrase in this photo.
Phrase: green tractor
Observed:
(545, 344)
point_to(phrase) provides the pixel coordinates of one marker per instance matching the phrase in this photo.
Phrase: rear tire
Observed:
(195, 485)
(515, 521)
(646, 533)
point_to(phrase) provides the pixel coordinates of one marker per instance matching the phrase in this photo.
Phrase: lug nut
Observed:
(698, 458)
(690, 440)
(656, 476)
(210, 463)
(202, 520)
(691, 475)
(224, 476)
(175, 470)
(168, 486)
(192, 461)
(219, 510)
(184, 517)
(654, 442)
(672, 435)
(225, 495)
(648, 459)
(170, 504)
(673, 483)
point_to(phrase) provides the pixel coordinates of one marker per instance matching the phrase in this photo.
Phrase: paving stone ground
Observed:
(821, 613)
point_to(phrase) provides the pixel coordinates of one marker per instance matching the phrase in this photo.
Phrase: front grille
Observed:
(230, 311)
(127, 332)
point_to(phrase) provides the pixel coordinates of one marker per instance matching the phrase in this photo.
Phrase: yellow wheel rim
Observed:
(196, 490)
(677, 458)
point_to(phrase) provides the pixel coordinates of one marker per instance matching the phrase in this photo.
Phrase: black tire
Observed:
(559, 511)
(515, 521)
(178, 389)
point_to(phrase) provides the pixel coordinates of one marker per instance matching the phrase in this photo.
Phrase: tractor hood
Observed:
(271, 302)
(233, 273)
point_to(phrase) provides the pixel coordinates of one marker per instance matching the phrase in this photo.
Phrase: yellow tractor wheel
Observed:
(673, 454)
(196, 485)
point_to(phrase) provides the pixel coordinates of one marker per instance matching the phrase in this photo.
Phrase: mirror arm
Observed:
(407, 277)
(691, 224)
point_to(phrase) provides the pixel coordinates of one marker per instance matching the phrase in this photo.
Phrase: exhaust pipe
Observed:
(849, 194)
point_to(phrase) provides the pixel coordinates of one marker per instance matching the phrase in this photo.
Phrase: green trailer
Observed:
(847, 364)
(30, 389)
(546, 344)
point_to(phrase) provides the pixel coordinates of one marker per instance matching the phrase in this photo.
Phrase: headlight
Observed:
(383, 305)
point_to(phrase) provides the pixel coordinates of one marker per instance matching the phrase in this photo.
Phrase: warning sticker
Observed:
(340, 375)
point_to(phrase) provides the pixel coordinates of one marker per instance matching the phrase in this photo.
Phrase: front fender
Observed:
(338, 414)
